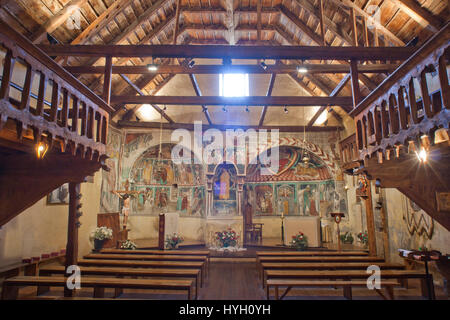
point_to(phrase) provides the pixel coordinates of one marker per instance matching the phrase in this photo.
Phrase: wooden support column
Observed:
(370, 221)
(107, 80)
(322, 23)
(354, 29)
(72, 229)
(356, 93)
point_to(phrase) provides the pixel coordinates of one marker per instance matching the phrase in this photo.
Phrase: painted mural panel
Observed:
(286, 198)
(224, 191)
(264, 199)
(109, 202)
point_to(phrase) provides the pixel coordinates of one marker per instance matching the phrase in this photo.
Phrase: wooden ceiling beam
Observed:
(393, 38)
(232, 52)
(189, 126)
(129, 115)
(268, 94)
(56, 20)
(199, 93)
(334, 93)
(420, 14)
(234, 101)
(248, 68)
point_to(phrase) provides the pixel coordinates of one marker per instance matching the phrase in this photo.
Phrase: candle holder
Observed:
(337, 218)
(282, 231)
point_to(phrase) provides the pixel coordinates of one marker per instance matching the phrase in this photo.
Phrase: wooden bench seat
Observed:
(320, 259)
(11, 285)
(346, 285)
(311, 253)
(126, 272)
(159, 252)
(327, 266)
(349, 275)
(199, 265)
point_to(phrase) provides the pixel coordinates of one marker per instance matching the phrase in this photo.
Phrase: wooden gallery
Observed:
(224, 149)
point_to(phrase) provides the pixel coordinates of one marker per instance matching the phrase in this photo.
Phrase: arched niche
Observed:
(225, 191)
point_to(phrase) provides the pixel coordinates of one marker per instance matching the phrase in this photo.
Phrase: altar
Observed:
(310, 226)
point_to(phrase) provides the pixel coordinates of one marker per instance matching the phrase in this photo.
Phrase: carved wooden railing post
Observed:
(72, 229)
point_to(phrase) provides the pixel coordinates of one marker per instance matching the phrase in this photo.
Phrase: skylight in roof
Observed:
(233, 84)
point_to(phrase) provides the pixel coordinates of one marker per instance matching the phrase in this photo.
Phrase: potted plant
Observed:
(347, 238)
(363, 237)
(299, 241)
(100, 235)
(227, 238)
(173, 241)
(128, 245)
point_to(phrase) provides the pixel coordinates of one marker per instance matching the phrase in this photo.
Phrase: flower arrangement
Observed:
(227, 238)
(129, 245)
(363, 237)
(103, 233)
(173, 240)
(299, 241)
(347, 238)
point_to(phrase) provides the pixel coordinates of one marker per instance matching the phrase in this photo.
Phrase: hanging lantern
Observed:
(41, 150)
(305, 158)
(441, 135)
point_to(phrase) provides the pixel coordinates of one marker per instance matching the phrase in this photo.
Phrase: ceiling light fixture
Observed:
(263, 65)
(246, 109)
(41, 150)
(152, 67)
(302, 69)
(224, 109)
(191, 64)
(286, 110)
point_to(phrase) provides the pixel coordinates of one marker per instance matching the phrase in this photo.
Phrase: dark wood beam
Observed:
(356, 92)
(279, 101)
(231, 52)
(107, 80)
(177, 22)
(249, 68)
(354, 28)
(199, 93)
(131, 112)
(334, 93)
(190, 126)
(322, 23)
(268, 94)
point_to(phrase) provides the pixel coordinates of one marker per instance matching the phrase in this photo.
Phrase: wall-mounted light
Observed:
(41, 150)
(246, 109)
(224, 109)
(422, 155)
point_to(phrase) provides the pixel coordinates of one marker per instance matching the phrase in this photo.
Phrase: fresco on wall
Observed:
(264, 199)
(136, 141)
(224, 195)
(285, 194)
(162, 185)
(109, 202)
(291, 168)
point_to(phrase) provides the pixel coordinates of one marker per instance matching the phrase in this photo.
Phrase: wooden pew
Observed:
(146, 257)
(327, 266)
(199, 265)
(126, 272)
(11, 285)
(346, 285)
(348, 275)
(320, 259)
(311, 253)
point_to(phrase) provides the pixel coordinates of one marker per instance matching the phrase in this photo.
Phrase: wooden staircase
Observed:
(408, 113)
(49, 108)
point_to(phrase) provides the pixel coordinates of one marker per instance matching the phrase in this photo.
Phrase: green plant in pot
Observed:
(299, 241)
(347, 238)
(100, 235)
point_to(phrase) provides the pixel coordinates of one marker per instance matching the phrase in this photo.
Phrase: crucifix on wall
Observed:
(126, 195)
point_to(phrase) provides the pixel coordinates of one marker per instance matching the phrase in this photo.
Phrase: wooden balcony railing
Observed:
(49, 100)
(349, 150)
(413, 101)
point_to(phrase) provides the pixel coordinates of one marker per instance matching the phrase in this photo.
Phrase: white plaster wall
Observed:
(43, 229)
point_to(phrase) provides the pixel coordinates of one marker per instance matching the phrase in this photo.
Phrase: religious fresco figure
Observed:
(198, 200)
(224, 193)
